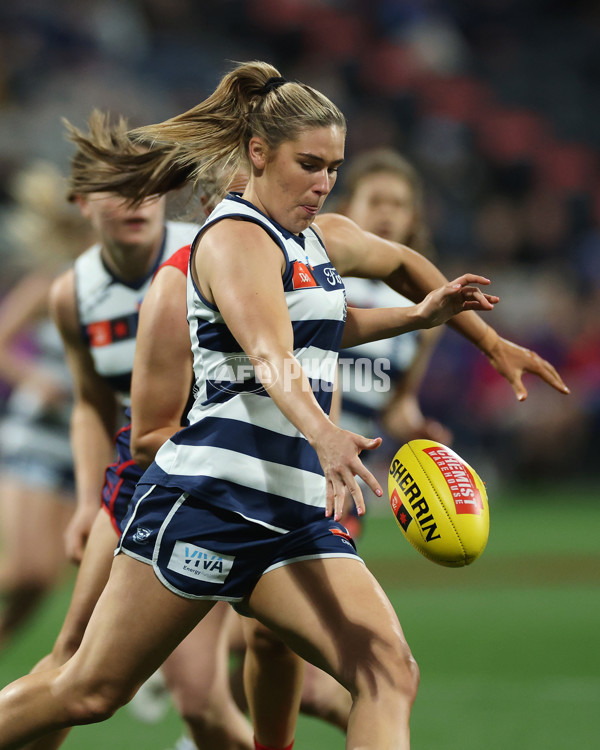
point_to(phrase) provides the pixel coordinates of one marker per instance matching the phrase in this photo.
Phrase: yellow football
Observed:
(439, 502)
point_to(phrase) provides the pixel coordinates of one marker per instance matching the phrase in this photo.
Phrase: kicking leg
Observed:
(333, 613)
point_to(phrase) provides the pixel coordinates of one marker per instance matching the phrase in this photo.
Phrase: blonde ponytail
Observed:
(212, 136)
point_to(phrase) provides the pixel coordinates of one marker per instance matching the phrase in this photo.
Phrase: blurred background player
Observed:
(95, 305)
(36, 466)
(378, 385)
(382, 193)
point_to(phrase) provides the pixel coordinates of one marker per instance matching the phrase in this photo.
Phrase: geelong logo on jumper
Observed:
(415, 498)
(199, 563)
(466, 496)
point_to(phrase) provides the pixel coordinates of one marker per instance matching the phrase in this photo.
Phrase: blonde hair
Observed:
(212, 137)
(388, 161)
(102, 139)
(41, 222)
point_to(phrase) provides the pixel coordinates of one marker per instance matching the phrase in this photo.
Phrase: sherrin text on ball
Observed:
(439, 502)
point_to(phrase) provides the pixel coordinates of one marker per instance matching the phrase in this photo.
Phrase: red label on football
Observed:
(466, 496)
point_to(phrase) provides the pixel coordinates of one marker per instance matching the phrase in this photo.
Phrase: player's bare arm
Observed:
(357, 253)
(93, 420)
(162, 369)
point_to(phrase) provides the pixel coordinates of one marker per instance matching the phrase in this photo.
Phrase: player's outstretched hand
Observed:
(338, 451)
(457, 296)
(512, 360)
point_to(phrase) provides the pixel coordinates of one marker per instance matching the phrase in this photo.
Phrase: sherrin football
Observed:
(439, 502)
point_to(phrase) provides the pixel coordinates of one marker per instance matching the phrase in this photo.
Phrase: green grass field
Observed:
(508, 647)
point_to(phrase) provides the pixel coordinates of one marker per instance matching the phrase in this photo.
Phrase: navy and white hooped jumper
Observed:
(35, 446)
(240, 459)
(108, 309)
(387, 358)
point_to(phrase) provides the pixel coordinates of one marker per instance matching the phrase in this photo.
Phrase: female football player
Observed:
(242, 505)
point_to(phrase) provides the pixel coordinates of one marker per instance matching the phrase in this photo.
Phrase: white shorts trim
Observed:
(301, 558)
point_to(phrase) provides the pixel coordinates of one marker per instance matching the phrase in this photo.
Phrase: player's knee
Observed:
(193, 701)
(410, 678)
(23, 588)
(204, 710)
(266, 645)
(96, 701)
(402, 673)
(396, 675)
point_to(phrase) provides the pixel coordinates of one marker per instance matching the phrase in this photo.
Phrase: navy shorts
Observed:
(120, 480)
(36, 471)
(37, 455)
(202, 552)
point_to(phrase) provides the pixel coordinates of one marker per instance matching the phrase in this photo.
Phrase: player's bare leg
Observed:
(91, 578)
(273, 677)
(31, 519)
(197, 673)
(321, 696)
(324, 698)
(118, 653)
(334, 614)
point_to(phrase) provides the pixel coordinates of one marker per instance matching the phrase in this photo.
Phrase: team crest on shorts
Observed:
(141, 535)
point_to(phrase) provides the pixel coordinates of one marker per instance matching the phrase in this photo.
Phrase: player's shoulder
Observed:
(62, 288)
(180, 260)
(331, 223)
(62, 302)
(344, 240)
